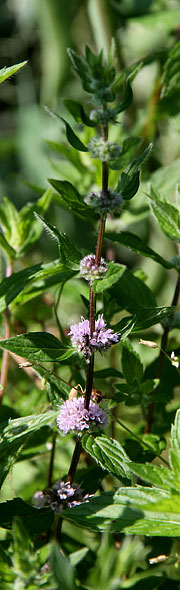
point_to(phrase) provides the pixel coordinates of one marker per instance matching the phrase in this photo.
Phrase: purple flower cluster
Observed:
(61, 496)
(91, 271)
(73, 416)
(101, 339)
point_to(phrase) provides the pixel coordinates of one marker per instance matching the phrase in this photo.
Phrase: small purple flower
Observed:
(102, 337)
(73, 416)
(91, 271)
(61, 496)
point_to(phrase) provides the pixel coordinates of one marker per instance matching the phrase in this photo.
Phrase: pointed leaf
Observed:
(7, 72)
(45, 275)
(72, 198)
(38, 346)
(69, 255)
(135, 244)
(166, 214)
(62, 569)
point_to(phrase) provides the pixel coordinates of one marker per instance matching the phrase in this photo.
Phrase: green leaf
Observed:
(38, 346)
(108, 453)
(129, 146)
(9, 220)
(73, 139)
(142, 320)
(113, 274)
(72, 198)
(171, 72)
(68, 253)
(43, 276)
(157, 476)
(146, 318)
(62, 569)
(10, 252)
(135, 244)
(128, 185)
(166, 214)
(77, 111)
(131, 364)
(174, 452)
(16, 434)
(131, 293)
(124, 512)
(71, 136)
(7, 72)
(37, 521)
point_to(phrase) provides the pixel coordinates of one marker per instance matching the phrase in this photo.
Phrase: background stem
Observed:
(7, 333)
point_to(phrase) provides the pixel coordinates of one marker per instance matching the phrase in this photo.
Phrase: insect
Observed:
(85, 348)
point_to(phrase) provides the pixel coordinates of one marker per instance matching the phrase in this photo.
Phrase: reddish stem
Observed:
(5, 357)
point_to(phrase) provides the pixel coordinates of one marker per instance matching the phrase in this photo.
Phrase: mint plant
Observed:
(138, 497)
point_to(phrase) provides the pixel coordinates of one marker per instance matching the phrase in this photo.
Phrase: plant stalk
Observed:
(5, 357)
(92, 315)
(75, 459)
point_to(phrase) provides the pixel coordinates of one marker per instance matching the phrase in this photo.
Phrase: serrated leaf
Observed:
(16, 434)
(7, 72)
(38, 346)
(135, 244)
(124, 512)
(158, 476)
(37, 521)
(72, 198)
(166, 214)
(108, 453)
(69, 255)
(113, 274)
(38, 277)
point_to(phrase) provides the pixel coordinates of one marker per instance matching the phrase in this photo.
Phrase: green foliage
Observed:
(62, 569)
(38, 347)
(72, 198)
(108, 453)
(166, 214)
(17, 433)
(7, 72)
